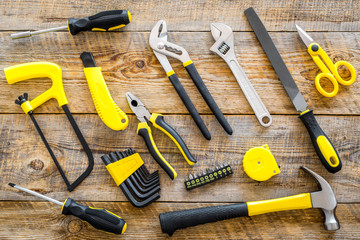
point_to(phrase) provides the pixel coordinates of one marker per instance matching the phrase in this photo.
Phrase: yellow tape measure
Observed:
(259, 163)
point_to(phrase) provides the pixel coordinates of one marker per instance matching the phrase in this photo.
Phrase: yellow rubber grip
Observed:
(327, 151)
(187, 63)
(145, 131)
(105, 106)
(153, 121)
(329, 70)
(300, 201)
(31, 70)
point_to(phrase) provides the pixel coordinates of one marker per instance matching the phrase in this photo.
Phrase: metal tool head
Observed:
(138, 107)
(224, 45)
(304, 36)
(324, 199)
(158, 42)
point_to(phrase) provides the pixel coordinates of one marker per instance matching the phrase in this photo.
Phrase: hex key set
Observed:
(129, 173)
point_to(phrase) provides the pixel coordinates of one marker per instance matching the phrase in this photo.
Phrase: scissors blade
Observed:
(304, 36)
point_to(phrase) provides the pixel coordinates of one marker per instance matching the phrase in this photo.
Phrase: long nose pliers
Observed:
(144, 130)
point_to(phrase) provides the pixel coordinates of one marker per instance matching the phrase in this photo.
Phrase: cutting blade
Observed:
(304, 36)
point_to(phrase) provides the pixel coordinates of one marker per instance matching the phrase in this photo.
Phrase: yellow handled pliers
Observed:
(157, 121)
(329, 70)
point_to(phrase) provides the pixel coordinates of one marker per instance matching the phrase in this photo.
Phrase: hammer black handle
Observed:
(171, 221)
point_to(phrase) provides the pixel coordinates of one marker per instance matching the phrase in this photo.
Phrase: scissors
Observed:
(329, 70)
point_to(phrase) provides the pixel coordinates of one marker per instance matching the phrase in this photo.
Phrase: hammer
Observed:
(324, 199)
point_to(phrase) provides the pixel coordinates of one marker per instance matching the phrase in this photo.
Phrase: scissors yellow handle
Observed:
(329, 70)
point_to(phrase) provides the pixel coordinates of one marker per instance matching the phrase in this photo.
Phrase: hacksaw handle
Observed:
(31, 70)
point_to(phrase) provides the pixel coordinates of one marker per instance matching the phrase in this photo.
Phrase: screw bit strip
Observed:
(207, 176)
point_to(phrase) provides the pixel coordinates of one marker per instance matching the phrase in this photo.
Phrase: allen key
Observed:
(130, 174)
(139, 191)
(142, 173)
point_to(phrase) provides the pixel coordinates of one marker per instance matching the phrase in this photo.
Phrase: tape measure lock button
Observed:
(259, 163)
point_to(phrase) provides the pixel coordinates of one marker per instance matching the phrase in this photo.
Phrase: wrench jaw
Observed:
(158, 42)
(224, 45)
(158, 33)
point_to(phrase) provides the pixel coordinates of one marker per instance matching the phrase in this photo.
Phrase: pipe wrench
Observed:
(224, 47)
(162, 48)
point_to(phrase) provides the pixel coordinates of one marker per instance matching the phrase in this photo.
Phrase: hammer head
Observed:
(324, 199)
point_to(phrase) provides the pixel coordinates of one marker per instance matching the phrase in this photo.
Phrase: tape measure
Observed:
(259, 163)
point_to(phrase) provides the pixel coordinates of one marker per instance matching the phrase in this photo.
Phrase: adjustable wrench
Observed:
(224, 47)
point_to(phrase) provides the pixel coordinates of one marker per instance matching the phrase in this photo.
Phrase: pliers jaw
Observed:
(158, 42)
(224, 45)
(138, 107)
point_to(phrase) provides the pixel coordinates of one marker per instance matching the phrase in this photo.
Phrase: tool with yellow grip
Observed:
(105, 106)
(99, 218)
(328, 68)
(32, 70)
(157, 121)
(163, 48)
(325, 150)
(324, 199)
(103, 21)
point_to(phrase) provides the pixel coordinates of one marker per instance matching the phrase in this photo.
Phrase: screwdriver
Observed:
(99, 218)
(102, 21)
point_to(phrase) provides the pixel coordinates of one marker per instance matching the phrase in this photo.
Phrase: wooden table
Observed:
(129, 64)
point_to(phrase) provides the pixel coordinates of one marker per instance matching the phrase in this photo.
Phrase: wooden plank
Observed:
(129, 64)
(24, 159)
(39, 220)
(188, 15)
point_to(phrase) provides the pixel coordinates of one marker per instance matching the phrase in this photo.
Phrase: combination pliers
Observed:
(162, 48)
(144, 130)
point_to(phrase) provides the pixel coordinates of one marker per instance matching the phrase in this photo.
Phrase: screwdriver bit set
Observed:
(208, 176)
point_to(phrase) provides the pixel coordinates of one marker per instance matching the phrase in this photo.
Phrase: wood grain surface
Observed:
(128, 64)
(134, 67)
(40, 220)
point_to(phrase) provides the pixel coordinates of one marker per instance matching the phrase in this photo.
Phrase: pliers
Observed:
(157, 121)
(162, 48)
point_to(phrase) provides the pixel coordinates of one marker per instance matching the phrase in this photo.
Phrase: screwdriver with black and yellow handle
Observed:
(99, 218)
(102, 21)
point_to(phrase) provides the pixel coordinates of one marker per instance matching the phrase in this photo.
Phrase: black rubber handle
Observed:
(194, 74)
(323, 146)
(189, 105)
(171, 221)
(154, 151)
(175, 137)
(102, 21)
(99, 218)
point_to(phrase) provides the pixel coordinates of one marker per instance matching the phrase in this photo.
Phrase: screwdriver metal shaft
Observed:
(35, 194)
(29, 33)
